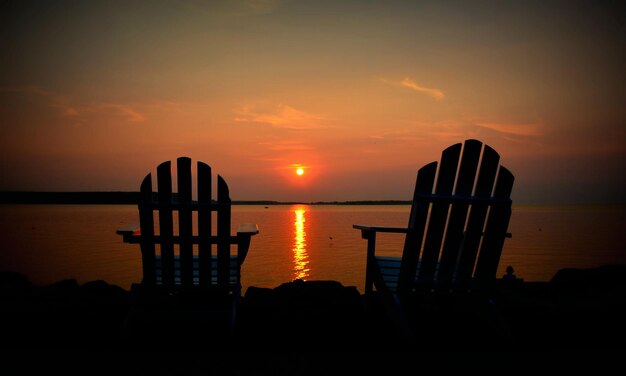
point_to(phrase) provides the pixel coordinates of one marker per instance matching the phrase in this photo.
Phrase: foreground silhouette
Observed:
(453, 240)
(188, 271)
(575, 318)
(577, 308)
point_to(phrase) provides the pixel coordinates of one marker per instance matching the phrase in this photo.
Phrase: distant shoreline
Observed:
(132, 198)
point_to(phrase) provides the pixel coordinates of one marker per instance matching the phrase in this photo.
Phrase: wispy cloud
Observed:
(453, 129)
(408, 83)
(286, 145)
(279, 116)
(87, 110)
(398, 135)
(488, 130)
(123, 110)
(530, 129)
(79, 112)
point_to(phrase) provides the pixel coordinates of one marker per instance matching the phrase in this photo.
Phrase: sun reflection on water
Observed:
(300, 256)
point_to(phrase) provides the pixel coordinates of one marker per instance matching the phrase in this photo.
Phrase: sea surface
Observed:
(49, 243)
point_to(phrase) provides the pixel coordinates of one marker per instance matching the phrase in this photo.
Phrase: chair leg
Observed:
(233, 320)
(128, 334)
(371, 248)
(399, 322)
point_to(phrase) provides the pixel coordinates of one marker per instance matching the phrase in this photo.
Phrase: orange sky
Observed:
(94, 94)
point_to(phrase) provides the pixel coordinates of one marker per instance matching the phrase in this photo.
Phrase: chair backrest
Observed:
(458, 223)
(184, 257)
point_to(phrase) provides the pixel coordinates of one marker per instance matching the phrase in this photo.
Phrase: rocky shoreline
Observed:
(578, 309)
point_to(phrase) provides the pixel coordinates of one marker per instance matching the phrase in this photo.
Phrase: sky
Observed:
(359, 94)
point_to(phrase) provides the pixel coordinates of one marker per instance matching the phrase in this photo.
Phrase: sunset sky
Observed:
(359, 94)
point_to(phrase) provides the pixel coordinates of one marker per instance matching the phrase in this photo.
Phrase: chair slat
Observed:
(458, 211)
(233, 266)
(496, 228)
(185, 228)
(157, 239)
(417, 221)
(223, 231)
(476, 221)
(146, 221)
(164, 184)
(205, 186)
(388, 262)
(439, 212)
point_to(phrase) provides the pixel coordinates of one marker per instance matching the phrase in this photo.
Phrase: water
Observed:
(315, 242)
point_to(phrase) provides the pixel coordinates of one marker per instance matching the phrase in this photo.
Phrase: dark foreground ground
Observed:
(318, 327)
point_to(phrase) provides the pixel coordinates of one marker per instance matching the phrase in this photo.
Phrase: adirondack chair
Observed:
(189, 272)
(456, 231)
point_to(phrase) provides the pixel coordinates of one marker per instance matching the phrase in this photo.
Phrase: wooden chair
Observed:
(189, 272)
(457, 227)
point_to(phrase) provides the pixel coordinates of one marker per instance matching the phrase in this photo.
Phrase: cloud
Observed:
(410, 84)
(280, 116)
(528, 130)
(79, 113)
(286, 145)
(398, 135)
(453, 129)
(100, 109)
(39, 96)
(125, 111)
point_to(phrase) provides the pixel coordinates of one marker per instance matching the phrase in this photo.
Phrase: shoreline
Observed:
(577, 308)
(132, 198)
(313, 327)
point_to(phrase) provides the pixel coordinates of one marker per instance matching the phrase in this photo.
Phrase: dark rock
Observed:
(8, 278)
(603, 278)
(66, 289)
(103, 293)
(14, 285)
(578, 308)
(308, 312)
(103, 310)
(589, 306)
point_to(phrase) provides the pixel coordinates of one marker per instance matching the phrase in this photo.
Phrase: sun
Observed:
(300, 171)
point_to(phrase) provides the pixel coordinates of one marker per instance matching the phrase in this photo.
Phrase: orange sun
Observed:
(300, 171)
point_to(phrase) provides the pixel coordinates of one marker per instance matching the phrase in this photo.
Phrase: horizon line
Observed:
(131, 198)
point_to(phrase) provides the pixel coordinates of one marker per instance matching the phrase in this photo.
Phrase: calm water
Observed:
(53, 242)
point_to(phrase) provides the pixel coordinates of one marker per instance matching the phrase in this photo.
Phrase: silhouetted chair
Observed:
(190, 276)
(457, 226)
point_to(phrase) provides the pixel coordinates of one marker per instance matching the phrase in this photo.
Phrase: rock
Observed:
(307, 312)
(603, 278)
(14, 284)
(103, 293)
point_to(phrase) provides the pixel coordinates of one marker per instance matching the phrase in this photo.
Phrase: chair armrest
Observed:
(366, 230)
(130, 234)
(245, 231)
(248, 229)
(369, 233)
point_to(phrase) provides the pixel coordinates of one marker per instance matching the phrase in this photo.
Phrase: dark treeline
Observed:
(130, 198)
(373, 202)
(110, 198)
